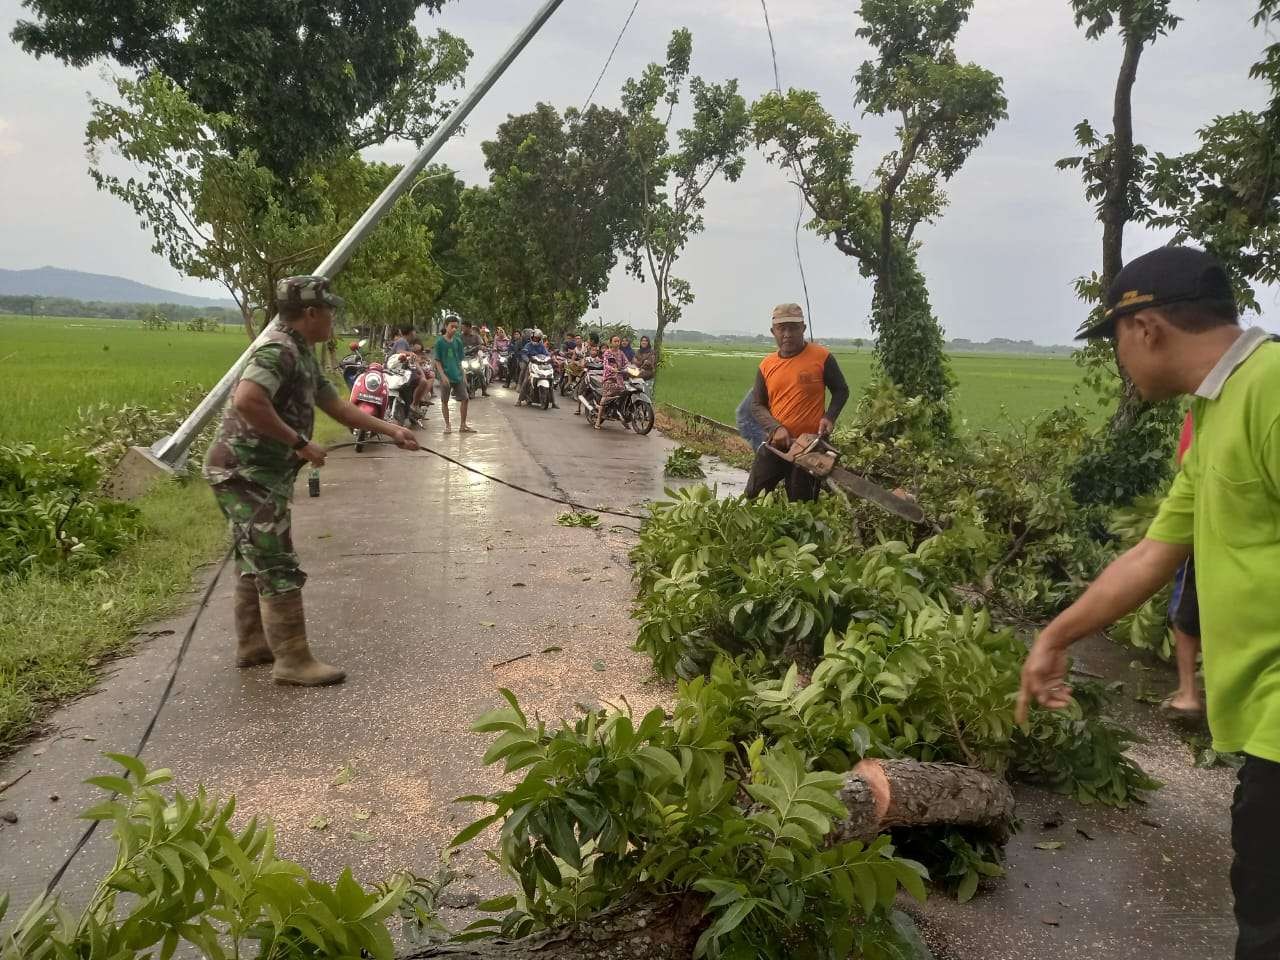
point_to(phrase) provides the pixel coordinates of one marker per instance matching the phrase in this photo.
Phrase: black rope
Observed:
(609, 59)
(795, 240)
(155, 715)
(514, 486)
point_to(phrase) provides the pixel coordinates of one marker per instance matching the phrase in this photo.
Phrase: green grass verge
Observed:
(54, 632)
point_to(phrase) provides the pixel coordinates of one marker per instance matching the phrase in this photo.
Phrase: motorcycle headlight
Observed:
(372, 381)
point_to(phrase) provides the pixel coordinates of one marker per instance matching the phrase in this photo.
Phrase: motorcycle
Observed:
(369, 394)
(353, 364)
(537, 387)
(633, 409)
(475, 370)
(399, 380)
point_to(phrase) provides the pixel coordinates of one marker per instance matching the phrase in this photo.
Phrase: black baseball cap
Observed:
(1165, 275)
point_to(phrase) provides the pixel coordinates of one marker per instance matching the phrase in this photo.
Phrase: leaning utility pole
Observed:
(141, 464)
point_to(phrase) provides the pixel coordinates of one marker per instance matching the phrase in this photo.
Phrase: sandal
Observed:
(1186, 714)
(448, 429)
(466, 430)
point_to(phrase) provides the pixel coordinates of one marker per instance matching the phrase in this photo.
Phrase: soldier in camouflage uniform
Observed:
(264, 440)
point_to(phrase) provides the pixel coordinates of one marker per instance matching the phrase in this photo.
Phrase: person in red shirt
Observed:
(790, 400)
(1184, 619)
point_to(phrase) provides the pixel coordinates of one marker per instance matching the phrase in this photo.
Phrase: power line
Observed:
(795, 240)
(609, 59)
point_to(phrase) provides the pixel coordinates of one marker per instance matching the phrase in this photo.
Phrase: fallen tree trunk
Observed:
(879, 795)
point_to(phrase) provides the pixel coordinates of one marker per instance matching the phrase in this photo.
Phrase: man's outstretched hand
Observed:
(1044, 678)
(405, 439)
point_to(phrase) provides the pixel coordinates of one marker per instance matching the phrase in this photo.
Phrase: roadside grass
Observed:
(53, 367)
(56, 632)
(993, 392)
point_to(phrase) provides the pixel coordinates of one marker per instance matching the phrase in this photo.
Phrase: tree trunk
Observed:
(879, 795)
(1115, 206)
(246, 314)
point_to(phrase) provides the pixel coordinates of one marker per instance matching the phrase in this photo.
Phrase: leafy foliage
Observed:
(608, 807)
(574, 518)
(674, 177)
(540, 240)
(685, 464)
(181, 875)
(51, 514)
(344, 74)
(221, 215)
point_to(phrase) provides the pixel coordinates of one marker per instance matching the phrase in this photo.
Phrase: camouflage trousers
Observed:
(263, 531)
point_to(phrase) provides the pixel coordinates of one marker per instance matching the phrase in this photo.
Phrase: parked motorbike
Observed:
(633, 409)
(354, 364)
(537, 388)
(370, 394)
(399, 377)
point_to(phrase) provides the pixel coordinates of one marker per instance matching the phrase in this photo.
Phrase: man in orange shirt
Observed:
(790, 399)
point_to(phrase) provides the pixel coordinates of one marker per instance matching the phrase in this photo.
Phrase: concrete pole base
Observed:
(133, 476)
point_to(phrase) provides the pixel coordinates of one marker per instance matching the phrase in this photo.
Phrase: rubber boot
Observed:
(251, 642)
(286, 628)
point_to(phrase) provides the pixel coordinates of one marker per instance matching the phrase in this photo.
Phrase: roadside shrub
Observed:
(51, 514)
(183, 877)
(107, 431)
(845, 652)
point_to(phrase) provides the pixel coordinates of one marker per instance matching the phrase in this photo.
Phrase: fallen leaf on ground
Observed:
(362, 815)
(553, 649)
(1050, 845)
(362, 835)
(487, 623)
(319, 823)
(598, 666)
(345, 775)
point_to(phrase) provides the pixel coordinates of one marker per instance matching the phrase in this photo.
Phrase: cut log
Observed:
(879, 794)
(883, 794)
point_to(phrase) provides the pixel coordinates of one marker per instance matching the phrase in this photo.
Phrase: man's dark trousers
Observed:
(769, 470)
(1255, 872)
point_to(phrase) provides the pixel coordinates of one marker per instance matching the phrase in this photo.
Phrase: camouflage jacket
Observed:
(287, 368)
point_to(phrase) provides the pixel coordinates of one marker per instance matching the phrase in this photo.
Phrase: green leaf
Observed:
(732, 916)
(546, 865)
(130, 763)
(968, 887)
(472, 830)
(112, 784)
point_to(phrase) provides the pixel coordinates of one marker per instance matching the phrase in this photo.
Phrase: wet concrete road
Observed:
(423, 579)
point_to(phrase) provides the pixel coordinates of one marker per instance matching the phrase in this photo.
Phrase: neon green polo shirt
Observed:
(1226, 501)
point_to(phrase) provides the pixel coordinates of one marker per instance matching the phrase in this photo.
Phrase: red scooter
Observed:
(369, 393)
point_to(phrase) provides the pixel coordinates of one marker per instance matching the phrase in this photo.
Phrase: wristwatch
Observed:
(302, 441)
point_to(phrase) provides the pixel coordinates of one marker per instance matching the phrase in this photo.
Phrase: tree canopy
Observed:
(307, 79)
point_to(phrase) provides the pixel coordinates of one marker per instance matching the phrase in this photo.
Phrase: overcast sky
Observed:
(999, 263)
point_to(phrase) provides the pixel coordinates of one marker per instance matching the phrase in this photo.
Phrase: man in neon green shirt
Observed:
(1173, 317)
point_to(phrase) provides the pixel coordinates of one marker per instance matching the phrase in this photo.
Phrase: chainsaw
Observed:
(812, 454)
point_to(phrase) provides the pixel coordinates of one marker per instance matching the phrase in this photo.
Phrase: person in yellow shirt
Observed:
(1173, 318)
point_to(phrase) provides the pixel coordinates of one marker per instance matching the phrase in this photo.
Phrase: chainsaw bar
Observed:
(864, 489)
(816, 457)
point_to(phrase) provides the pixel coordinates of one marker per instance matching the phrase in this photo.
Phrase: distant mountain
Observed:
(56, 282)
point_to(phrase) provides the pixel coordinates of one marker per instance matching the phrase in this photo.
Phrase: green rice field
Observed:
(52, 367)
(993, 391)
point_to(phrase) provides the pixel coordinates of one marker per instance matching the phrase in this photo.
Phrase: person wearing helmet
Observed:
(534, 348)
(264, 439)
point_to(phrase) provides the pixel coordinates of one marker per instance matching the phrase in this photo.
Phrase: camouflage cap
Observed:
(306, 291)
(788, 313)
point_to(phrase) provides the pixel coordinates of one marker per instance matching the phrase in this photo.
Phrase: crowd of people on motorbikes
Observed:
(610, 379)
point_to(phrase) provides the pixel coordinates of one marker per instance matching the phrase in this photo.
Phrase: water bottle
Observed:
(313, 482)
